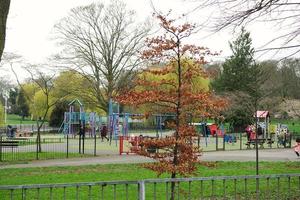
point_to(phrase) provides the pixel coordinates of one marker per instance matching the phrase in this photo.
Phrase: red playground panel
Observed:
(129, 144)
(214, 130)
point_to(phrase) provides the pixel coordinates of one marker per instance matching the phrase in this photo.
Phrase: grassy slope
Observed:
(16, 119)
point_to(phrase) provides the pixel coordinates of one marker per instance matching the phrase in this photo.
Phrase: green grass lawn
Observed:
(136, 172)
(23, 157)
(13, 119)
(109, 172)
(293, 125)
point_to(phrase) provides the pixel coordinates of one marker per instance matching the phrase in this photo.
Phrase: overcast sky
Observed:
(30, 25)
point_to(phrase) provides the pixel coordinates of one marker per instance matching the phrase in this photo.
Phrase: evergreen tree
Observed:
(243, 79)
(23, 108)
(12, 100)
(239, 70)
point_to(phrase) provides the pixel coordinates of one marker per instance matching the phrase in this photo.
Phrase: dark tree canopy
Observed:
(23, 108)
(238, 69)
(57, 115)
(289, 70)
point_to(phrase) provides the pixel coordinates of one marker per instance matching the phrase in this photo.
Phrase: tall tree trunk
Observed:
(4, 9)
(38, 137)
(178, 112)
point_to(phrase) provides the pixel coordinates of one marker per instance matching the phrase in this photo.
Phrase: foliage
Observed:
(16, 119)
(39, 105)
(12, 100)
(73, 85)
(238, 118)
(57, 114)
(242, 79)
(289, 71)
(199, 83)
(174, 92)
(238, 68)
(22, 104)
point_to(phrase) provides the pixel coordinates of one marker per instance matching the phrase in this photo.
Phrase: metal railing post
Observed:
(84, 190)
(216, 136)
(95, 143)
(0, 148)
(67, 145)
(241, 141)
(37, 147)
(141, 186)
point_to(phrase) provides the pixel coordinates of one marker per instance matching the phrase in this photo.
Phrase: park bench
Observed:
(260, 142)
(9, 144)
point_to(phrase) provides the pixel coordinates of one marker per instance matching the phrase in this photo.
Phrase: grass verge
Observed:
(22, 157)
(94, 173)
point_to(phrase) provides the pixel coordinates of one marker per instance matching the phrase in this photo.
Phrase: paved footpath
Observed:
(244, 155)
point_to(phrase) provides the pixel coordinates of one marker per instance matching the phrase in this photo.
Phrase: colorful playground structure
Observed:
(118, 123)
(73, 119)
(120, 127)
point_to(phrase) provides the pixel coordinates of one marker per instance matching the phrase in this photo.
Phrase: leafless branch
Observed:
(103, 43)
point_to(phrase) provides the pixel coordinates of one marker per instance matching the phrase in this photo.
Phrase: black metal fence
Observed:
(64, 146)
(239, 141)
(18, 149)
(283, 186)
(27, 129)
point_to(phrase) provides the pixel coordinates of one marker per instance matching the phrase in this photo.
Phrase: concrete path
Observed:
(244, 155)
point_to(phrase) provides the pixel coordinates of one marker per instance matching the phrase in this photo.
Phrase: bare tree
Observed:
(45, 84)
(4, 9)
(102, 43)
(283, 14)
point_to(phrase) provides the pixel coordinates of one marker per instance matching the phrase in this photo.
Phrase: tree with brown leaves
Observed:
(174, 93)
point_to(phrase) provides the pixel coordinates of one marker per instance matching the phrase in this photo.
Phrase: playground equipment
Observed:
(120, 123)
(129, 144)
(263, 121)
(207, 129)
(283, 136)
(161, 121)
(73, 119)
(132, 144)
(210, 129)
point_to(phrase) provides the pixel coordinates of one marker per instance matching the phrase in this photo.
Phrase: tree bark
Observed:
(4, 9)
(178, 112)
